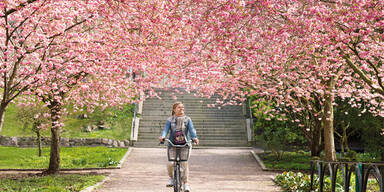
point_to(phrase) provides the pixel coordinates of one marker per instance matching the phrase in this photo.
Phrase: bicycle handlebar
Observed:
(173, 145)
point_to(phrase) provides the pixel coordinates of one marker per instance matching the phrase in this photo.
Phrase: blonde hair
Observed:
(174, 107)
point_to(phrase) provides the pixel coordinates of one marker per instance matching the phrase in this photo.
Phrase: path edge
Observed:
(258, 160)
(124, 157)
(95, 186)
(107, 178)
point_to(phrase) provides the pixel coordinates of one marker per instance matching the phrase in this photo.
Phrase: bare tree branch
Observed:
(22, 5)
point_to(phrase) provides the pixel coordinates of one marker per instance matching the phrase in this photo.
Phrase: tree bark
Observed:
(345, 135)
(316, 146)
(329, 141)
(2, 114)
(39, 142)
(54, 161)
(382, 156)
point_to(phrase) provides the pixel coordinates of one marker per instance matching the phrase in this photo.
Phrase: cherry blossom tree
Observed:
(294, 52)
(79, 52)
(53, 47)
(291, 51)
(333, 36)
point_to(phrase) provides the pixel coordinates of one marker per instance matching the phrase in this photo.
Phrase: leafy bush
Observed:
(369, 157)
(351, 155)
(299, 182)
(291, 181)
(275, 134)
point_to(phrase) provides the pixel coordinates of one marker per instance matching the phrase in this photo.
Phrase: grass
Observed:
(119, 120)
(70, 157)
(290, 161)
(57, 183)
(301, 160)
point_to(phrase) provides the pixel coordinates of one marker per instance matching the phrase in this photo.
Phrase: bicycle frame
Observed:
(177, 179)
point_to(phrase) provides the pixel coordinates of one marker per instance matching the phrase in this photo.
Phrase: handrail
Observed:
(133, 77)
(133, 121)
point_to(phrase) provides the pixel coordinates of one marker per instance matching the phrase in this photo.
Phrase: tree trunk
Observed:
(54, 161)
(329, 141)
(39, 142)
(342, 146)
(382, 156)
(345, 135)
(316, 147)
(2, 114)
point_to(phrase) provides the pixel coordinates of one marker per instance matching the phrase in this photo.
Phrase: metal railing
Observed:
(133, 121)
(362, 171)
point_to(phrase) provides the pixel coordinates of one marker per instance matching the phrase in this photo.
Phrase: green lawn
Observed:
(301, 160)
(57, 183)
(119, 120)
(290, 161)
(70, 157)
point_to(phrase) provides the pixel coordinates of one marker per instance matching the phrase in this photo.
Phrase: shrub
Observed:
(351, 154)
(299, 182)
(291, 181)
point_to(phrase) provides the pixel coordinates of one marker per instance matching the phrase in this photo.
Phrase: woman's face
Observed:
(179, 110)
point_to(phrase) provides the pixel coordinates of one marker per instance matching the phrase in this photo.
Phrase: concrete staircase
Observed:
(214, 127)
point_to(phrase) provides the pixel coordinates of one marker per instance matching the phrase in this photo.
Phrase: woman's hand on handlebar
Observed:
(196, 140)
(161, 139)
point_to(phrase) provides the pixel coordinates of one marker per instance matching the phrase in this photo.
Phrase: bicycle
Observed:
(178, 154)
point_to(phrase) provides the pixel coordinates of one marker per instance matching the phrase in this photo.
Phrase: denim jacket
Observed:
(190, 131)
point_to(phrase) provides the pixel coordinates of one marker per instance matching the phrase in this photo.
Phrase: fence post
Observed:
(312, 175)
(358, 177)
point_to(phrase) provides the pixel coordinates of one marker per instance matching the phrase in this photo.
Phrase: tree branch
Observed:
(70, 27)
(22, 5)
(361, 73)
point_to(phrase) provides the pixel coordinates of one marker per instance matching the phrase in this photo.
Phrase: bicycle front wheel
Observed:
(176, 179)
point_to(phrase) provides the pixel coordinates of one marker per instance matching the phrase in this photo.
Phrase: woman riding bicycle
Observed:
(181, 131)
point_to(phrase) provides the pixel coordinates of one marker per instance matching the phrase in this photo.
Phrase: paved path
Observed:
(215, 169)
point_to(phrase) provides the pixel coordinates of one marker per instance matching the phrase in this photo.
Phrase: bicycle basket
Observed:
(182, 151)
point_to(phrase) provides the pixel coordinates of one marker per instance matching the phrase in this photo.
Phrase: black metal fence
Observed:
(362, 171)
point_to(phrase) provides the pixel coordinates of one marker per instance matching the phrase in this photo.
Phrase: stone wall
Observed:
(65, 142)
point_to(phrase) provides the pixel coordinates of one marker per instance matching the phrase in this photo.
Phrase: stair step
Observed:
(200, 134)
(195, 123)
(215, 126)
(193, 117)
(211, 143)
(198, 129)
(201, 137)
(187, 112)
(191, 106)
(208, 125)
(164, 118)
